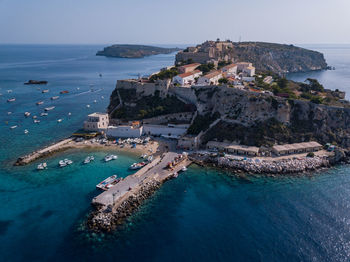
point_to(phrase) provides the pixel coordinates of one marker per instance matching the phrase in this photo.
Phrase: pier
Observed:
(118, 202)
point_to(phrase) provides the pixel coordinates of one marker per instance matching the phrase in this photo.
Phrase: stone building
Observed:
(96, 122)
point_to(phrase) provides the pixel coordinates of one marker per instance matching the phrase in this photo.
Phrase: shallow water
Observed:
(203, 215)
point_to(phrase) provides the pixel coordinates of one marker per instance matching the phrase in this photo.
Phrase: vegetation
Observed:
(202, 122)
(164, 74)
(311, 154)
(223, 80)
(205, 68)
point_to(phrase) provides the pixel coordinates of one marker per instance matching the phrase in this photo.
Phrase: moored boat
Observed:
(65, 162)
(26, 114)
(13, 127)
(108, 182)
(64, 92)
(135, 166)
(36, 121)
(26, 131)
(184, 169)
(110, 157)
(41, 166)
(39, 103)
(55, 97)
(45, 91)
(88, 159)
(44, 114)
(11, 99)
(49, 108)
(59, 120)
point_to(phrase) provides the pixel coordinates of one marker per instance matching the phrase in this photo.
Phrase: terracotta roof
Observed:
(213, 74)
(191, 65)
(189, 73)
(229, 66)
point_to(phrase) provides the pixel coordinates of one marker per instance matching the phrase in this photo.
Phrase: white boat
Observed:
(34, 117)
(39, 103)
(102, 97)
(88, 159)
(13, 127)
(45, 91)
(108, 182)
(9, 91)
(144, 156)
(55, 97)
(65, 162)
(44, 114)
(95, 101)
(69, 113)
(49, 108)
(87, 106)
(36, 121)
(26, 131)
(59, 120)
(184, 169)
(135, 166)
(11, 100)
(150, 158)
(41, 166)
(110, 157)
(26, 114)
(175, 175)
(9, 113)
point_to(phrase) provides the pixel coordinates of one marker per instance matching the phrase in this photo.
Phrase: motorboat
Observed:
(144, 156)
(150, 158)
(11, 100)
(45, 91)
(13, 127)
(64, 92)
(88, 159)
(41, 166)
(36, 121)
(9, 91)
(69, 113)
(26, 114)
(59, 120)
(34, 117)
(135, 166)
(175, 175)
(108, 182)
(110, 157)
(184, 169)
(55, 97)
(95, 101)
(9, 113)
(44, 114)
(87, 106)
(49, 108)
(65, 162)
(26, 131)
(39, 103)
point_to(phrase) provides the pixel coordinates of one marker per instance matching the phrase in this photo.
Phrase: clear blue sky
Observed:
(173, 21)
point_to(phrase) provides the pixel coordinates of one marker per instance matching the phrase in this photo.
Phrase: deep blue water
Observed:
(203, 215)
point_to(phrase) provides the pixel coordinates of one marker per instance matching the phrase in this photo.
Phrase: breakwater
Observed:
(112, 207)
(259, 166)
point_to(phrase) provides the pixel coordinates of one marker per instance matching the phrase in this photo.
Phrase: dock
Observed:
(118, 202)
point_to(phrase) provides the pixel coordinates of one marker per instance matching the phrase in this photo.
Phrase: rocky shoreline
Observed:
(107, 220)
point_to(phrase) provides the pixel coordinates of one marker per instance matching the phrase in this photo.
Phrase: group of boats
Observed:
(108, 182)
(66, 162)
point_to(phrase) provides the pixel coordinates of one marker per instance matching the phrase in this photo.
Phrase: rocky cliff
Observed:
(279, 58)
(134, 51)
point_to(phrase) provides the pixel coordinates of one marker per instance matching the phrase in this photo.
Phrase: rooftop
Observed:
(189, 73)
(296, 146)
(213, 74)
(97, 114)
(191, 65)
(229, 66)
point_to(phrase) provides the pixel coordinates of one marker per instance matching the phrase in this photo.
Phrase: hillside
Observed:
(134, 51)
(279, 58)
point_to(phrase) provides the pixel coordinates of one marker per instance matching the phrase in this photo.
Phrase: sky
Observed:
(173, 21)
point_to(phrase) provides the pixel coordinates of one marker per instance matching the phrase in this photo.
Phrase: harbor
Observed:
(115, 204)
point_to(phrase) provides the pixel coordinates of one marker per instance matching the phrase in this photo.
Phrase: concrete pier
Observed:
(118, 202)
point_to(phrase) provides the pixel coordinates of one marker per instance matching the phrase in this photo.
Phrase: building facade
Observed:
(96, 122)
(124, 131)
(188, 68)
(187, 79)
(210, 79)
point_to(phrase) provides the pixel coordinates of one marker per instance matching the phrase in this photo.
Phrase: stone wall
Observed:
(186, 117)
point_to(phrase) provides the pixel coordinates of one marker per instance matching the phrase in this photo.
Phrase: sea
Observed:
(203, 215)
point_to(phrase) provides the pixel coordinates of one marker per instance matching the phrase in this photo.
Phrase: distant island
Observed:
(134, 51)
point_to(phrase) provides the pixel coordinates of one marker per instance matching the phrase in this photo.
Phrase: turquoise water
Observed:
(203, 215)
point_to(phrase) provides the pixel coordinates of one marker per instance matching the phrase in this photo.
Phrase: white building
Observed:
(124, 131)
(242, 65)
(249, 71)
(230, 70)
(96, 122)
(188, 78)
(173, 131)
(210, 79)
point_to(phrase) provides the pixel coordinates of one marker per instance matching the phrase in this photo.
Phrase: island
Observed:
(134, 51)
(215, 109)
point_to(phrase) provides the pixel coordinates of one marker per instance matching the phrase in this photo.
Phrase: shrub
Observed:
(311, 154)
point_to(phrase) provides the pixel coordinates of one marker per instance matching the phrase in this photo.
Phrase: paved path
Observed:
(154, 170)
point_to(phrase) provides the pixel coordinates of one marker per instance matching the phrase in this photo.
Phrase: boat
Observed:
(135, 166)
(9, 91)
(34, 117)
(49, 108)
(64, 92)
(55, 97)
(59, 120)
(88, 159)
(184, 169)
(144, 156)
(11, 100)
(36, 121)
(69, 113)
(26, 131)
(87, 106)
(110, 157)
(41, 166)
(36, 82)
(39, 103)
(45, 91)
(26, 114)
(175, 175)
(108, 182)
(150, 158)
(9, 113)
(95, 101)
(44, 114)
(65, 162)
(13, 127)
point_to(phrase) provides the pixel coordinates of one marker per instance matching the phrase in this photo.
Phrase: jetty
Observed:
(114, 205)
(59, 146)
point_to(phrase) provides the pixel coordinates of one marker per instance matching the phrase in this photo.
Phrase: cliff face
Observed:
(260, 119)
(134, 51)
(279, 58)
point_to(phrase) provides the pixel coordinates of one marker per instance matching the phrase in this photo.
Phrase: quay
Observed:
(114, 205)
